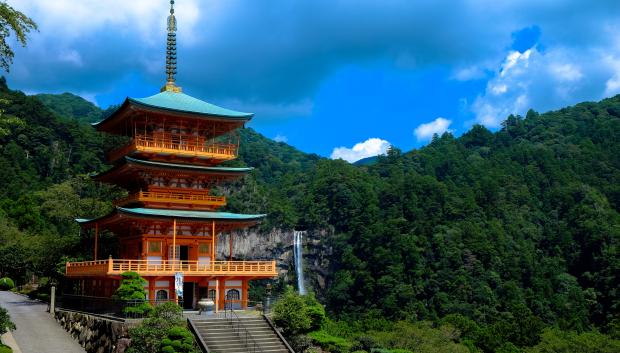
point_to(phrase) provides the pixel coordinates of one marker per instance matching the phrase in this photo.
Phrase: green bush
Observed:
(132, 290)
(5, 349)
(6, 283)
(5, 322)
(163, 331)
(330, 343)
(297, 314)
(178, 340)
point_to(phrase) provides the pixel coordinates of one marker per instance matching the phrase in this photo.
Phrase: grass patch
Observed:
(5, 349)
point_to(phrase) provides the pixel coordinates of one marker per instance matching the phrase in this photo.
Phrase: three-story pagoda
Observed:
(168, 224)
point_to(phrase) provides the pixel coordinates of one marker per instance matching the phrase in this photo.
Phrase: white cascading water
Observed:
(299, 268)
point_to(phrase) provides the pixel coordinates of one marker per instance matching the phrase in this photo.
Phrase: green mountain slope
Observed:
(71, 106)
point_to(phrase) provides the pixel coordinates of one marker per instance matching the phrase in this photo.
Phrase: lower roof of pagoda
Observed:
(133, 166)
(121, 215)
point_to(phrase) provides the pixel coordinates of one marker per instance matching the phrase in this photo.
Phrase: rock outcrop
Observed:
(278, 244)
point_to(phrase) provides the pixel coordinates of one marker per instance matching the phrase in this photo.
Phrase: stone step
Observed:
(221, 336)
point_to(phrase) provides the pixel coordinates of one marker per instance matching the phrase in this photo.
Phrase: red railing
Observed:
(174, 197)
(167, 267)
(184, 145)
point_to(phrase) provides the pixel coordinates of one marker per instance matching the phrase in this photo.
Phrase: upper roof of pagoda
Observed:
(170, 103)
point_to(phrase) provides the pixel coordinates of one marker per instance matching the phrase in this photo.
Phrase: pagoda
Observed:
(168, 225)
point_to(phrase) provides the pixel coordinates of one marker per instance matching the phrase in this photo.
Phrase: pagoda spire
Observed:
(171, 53)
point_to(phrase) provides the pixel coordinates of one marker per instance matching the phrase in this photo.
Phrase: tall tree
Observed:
(14, 21)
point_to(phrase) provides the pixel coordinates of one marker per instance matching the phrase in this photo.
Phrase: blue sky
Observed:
(341, 78)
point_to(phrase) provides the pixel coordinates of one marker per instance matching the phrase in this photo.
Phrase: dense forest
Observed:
(493, 241)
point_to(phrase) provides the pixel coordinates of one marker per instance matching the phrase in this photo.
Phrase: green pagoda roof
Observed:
(180, 103)
(183, 103)
(179, 214)
(201, 215)
(189, 166)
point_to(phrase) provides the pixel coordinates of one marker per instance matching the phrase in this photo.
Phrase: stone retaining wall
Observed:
(96, 334)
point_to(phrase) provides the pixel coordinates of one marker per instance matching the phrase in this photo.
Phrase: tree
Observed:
(132, 290)
(14, 21)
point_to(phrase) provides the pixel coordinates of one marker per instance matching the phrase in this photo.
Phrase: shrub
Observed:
(5, 349)
(6, 283)
(156, 332)
(297, 314)
(178, 340)
(132, 290)
(5, 321)
(330, 343)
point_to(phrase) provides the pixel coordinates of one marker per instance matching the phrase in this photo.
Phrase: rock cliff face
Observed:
(277, 245)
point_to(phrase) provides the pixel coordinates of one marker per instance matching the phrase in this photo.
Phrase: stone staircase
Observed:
(220, 336)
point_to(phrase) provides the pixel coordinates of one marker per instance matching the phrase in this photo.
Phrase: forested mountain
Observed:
(499, 234)
(71, 106)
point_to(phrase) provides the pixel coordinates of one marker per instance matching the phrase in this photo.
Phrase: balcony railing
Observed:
(264, 269)
(191, 198)
(180, 145)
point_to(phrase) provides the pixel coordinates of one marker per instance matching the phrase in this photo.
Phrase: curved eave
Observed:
(129, 162)
(190, 215)
(219, 113)
(158, 214)
(197, 168)
(232, 115)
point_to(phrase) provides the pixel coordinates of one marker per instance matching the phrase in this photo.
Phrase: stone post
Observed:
(52, 300)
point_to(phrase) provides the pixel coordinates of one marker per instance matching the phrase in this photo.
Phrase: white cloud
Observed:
(469, 73)
(426, 131)
(70, 19)
(371, 147)
(280, 138)
(546, 80)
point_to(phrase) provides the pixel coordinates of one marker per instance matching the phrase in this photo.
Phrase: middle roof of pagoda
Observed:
(172, 103)
(129, 165)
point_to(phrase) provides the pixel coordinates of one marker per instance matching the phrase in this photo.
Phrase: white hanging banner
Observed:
(178, 284)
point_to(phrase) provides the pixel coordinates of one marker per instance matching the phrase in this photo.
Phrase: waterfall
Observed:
(297, 251)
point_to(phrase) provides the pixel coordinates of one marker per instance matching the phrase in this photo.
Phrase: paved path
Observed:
(37, 331)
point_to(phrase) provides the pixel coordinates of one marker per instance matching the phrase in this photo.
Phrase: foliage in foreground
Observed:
(163, 331)
(298, 314)
(5, 322)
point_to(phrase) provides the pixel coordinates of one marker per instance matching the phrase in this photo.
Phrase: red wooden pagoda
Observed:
(169, 223)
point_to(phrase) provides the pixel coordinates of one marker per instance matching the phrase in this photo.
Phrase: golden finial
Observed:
(171, 53)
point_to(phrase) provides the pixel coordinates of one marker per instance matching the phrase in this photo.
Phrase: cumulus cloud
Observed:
(545, 80)
(425, 131)
(371, 147)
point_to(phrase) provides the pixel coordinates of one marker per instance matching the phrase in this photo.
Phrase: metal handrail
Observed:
(240, 329)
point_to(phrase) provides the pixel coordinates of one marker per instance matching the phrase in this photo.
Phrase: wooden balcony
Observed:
(198, 200)
(176, 145)
(115, 267)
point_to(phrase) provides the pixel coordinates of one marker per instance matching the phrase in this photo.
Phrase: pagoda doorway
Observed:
(184, 253)
(188, 295)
